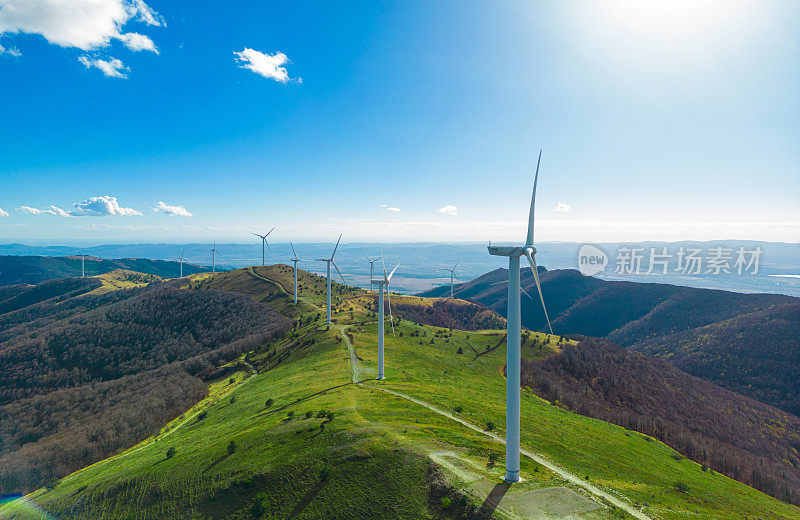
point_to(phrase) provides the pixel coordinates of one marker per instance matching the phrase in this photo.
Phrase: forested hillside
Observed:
(727, 432)
(36, 269)
(748, 343)
(85, 375)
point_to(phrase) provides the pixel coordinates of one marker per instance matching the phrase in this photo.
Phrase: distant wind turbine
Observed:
(330, 261)
(263, 245)
(83, 265)
(213, 257)
(181, 259)
(371, 270)
(294, 261)
(381, 283)
(513, 336)
(453, 275)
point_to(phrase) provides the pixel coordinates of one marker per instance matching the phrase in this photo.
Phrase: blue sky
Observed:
(659, 120)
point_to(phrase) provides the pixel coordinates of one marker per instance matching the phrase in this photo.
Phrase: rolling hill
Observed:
(735, 435)
(299, 428)
(35, 269)
(748, 343)
(87, 372)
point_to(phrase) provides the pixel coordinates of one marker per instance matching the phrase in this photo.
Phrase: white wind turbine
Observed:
(294, 261)
(264, 245)
(371, 270)
(330, 261)
(381, 283)
(513, 336)
(83, 265)
(181, 259)
(453, 275)
(213, 257)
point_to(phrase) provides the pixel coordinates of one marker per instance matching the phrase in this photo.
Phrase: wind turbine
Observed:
(181, 259)
(453, 275)
(330, 261)
(213, 257)
(83, 265)
(263, 244)
(381, 283)
(294, 261)
(513, 336)
(371, 270)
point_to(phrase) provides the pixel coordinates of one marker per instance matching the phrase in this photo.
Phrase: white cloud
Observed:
(113, 68)
(449, 210)
(82, 24)
(267, 65)
(561, 208)
(4, 213)
(138, 42)
(54, 210)
(85, 24)
(172, 210)
(382, 205)
(13, 51)
(392, 208)
(102, 207)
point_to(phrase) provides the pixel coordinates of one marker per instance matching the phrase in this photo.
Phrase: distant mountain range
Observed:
(422, 264)
(35, 269)
(748, 343)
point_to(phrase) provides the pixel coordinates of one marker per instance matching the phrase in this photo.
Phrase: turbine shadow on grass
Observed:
(489, 505)
(307, 499)
(300, 400)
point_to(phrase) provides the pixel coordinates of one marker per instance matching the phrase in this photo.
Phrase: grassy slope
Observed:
(373, 451)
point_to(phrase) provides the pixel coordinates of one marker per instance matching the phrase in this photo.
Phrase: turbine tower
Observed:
(213, 257)
(83, 265)
(330, 261)
(381, 283)
(371, 270)
(181, 259)
(513, 336)
(453, 275)
(263, 245)
(294, 261)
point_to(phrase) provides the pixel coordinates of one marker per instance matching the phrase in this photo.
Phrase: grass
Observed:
(370, 458)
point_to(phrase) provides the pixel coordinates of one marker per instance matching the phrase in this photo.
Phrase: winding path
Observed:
(561, 472)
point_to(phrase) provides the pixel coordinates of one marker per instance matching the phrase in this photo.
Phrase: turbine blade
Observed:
(293, 251)
(389, 299)
(392, 273)
(267, 243)
(337, 270)
(526, 292)
(529, 239)
(270, 231)
(383, 265)
(454, 267)
(259, 236)
(456, 277)
(539, 288)
(337, 246)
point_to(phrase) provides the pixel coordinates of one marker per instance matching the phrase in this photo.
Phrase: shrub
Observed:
(458, 408)
(492, 458)
(290, 414)
(231, 380)
(232, 447)
(233, 399)
(446, 502)
(202, 415)
(171, 452)
(269, 403)
(681, 486)
(460, 350)
(309, 414)
(489, 426)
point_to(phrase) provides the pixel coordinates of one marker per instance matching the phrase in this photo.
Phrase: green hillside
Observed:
(306, 433)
